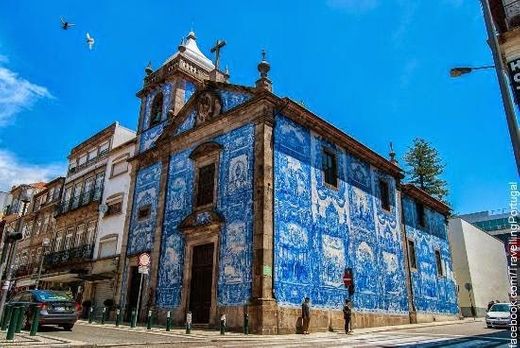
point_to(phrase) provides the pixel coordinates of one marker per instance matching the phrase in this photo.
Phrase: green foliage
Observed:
(425, 168)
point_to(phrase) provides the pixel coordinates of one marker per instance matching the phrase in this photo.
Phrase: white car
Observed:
(499, 315)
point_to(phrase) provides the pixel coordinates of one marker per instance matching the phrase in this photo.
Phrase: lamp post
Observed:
(45, 244)
(500, 69)
(462, 70)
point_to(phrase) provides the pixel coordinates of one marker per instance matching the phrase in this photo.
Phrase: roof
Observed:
(425, 198)
(190, 50)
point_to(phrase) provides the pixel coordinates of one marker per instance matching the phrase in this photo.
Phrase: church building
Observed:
(247, 203)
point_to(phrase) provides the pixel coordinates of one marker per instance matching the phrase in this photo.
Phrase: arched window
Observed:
(156, 112)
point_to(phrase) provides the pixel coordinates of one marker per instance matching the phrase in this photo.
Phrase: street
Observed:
(467, 334)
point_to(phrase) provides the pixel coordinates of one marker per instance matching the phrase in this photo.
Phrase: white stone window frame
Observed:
(107, 239)
(116, 198)
(120, 160)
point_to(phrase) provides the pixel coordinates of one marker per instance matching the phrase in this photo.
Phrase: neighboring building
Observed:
(69, 262)
(4, 199)
(250, 202)
(107, 246)
(38, 225)
(494, 222)
(18, 204)
(480, 266)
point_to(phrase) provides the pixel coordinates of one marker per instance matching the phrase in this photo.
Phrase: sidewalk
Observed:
(214, 335)
(23, 339)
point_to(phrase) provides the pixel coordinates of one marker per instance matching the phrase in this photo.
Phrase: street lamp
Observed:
(462, 70)
(45, 244)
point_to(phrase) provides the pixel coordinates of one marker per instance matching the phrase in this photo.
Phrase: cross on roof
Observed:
(216, 49)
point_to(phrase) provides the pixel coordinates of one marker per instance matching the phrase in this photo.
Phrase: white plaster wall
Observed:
(479, 259)
(121, 183)
(121, 135)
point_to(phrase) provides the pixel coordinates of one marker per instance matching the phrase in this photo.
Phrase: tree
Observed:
(425, 168)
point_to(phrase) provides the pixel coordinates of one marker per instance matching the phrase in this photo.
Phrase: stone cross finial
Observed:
(216, 49)
(392, 154)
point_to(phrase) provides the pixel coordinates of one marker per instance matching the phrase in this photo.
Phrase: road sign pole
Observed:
(139, 297)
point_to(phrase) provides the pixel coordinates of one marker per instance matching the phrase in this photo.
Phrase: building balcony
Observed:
(101, 156)
(25, 270)
(92, 196)
(69, 256)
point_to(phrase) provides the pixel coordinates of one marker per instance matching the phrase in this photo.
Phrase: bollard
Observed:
(103, 315)
(35, 321)
(12, 323)
(246, 324)
(149, 320)
(223, 324)
(7, 316)
(118, 317)
(133, 319)
(19, 322)
(168, 321)
(90, 314)
(188, 322)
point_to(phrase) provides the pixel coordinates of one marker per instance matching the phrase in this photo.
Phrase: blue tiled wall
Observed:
(140, 235)
(230, 100)
(432, 293)
(234, 204)
(320, 230)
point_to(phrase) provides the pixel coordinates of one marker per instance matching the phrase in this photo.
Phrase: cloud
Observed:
(16, 93)
(15, 172)
(354, 5)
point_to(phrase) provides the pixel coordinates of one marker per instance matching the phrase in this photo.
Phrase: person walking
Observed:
(306, 315)
(347, 315)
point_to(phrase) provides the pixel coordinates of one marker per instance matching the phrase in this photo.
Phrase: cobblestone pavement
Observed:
(458, 334)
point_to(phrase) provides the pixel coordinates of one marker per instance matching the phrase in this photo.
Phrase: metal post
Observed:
(20, 320)
(12, 323)
(512, 124)
(90, 314)
(8, 274)
(118, 317)
(103, 315)
(149, 321)
(39, 270)
(35, 321)
(133, 318)
(7, 316)
(168, 321)
(139, 298)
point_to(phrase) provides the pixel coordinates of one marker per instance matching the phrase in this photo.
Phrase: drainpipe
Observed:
(411, 299)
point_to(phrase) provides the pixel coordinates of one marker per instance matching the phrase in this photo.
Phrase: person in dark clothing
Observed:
(306, 315)
(490, 304)
(347, 315)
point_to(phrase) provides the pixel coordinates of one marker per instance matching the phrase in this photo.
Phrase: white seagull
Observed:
(90, 41)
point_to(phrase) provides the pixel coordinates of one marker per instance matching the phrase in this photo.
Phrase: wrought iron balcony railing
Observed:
(69, 256)
(84, 199)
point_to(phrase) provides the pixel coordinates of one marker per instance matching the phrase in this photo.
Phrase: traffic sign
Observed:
(144, 259)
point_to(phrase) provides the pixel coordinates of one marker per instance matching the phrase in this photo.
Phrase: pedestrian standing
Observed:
(347, 315)
(306, 315)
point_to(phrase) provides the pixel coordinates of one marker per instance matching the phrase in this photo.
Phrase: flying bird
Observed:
(66, 25)
(90, 41)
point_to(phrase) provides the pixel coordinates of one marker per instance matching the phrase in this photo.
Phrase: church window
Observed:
(419, 207)
(156, 112)
(384, 194)
(144, 212)
(205, 185)
(330, 168)
(411, 254)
